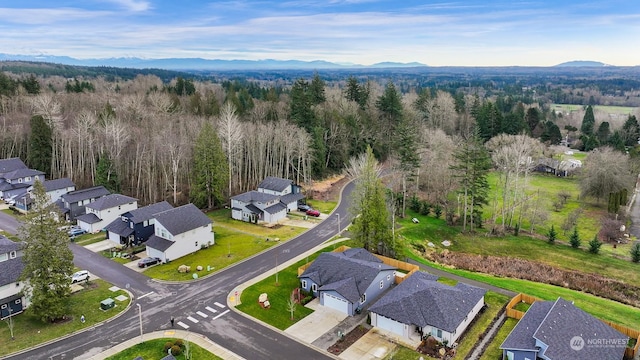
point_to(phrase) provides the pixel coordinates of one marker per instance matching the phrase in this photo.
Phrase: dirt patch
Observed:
(348, 340)
(533, 271)
(328, 189)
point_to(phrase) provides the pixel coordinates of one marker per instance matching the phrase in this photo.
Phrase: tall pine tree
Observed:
(210, 169)
(40, 145)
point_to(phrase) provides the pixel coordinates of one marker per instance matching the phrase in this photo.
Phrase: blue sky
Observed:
(437, 33)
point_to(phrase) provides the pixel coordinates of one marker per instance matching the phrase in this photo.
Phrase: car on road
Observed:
(304, 207)
(82, 275)
(76, 231)
(313, 212)
(148, 261)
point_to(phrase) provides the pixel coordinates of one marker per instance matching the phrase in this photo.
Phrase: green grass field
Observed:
(30, 331)
(604, 108)
(154, 350)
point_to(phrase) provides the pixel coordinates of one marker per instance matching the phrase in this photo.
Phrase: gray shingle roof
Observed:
(84, 194)
(565, 321)
(345, 272)
(275, 208)
(521, 337)
(11, 269)
(253, 195)
(11, 164)
(119, 227)
(158, 243)
(182, 219)
(421, 300)
(111, 201)
(20, 173)
(147, 212)
(56, 184)
(290, 198)
(89, 218)
(275, 183)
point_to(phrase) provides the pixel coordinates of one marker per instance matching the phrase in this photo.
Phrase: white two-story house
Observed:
(272, 201)
(12, 300)
(104, 210)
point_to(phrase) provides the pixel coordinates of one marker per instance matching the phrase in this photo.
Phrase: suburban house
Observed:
(421, 306)
(559, 168)
(12, 300)
(347, 281)
(104, 210)
(178, 232)
(72, 204)
(58, 187)
(272, 201)
(16, 178)
(558, 330)
(136, 226)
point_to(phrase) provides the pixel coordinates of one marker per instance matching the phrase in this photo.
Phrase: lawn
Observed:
(323, 206)
(222, 219)
(609, 109)
(154, 350)
(493, 352)
(30, 331)
(87, 239)
(230, 247)
(599, 307)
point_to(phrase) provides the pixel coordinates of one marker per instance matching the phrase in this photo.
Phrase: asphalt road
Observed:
(8, 223)
(208, 296)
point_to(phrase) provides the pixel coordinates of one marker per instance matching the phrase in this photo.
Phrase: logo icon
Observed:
(577, 343)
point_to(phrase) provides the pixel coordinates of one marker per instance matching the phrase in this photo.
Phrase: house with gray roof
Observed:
(421, 306)
(104, 210)
(347, 281)
(57, 187)
(558, 330)
(12, 299)
(16, 179)
(178, 232)
(270, 203)
(136, 226)
(72, 204)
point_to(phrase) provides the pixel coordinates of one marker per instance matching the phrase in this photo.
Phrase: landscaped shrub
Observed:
(167, 346)
(176, 350)
(437, 210)
(178, 342)
(552, 235)
(415, 204)
(425, 208)
(594, 245)
(574, 240)
(635, 252)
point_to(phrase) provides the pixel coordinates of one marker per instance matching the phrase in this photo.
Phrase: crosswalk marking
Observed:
(202, 314)
(212, 310)
(183, 324)
(192, 319)
(219, 305)
(222, 313)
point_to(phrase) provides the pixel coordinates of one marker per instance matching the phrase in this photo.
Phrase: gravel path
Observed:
(477, 352)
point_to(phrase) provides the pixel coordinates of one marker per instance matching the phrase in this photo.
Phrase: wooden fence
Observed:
(629, 353)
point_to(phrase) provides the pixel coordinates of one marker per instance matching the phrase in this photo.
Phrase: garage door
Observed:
(336, 303)
(390, 325)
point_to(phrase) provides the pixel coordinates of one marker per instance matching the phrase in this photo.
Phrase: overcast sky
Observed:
(456, 33)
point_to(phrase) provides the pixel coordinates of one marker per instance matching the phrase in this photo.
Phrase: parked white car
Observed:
(82, 275)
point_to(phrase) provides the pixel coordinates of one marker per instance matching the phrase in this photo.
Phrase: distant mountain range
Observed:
(202, 64)
(579, 63)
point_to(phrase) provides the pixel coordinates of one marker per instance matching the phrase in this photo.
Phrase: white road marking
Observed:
(202, 314)
(212, 310)
(145, 295)
(222, 313)
(193, 320)
(219, 305)
(183, 324)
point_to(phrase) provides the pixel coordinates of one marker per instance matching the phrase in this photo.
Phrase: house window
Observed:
(388, 277)
(439, 335)
(509, 355)
(196, 244)
(4, 306)
(314, 287)
(3, 257)
(18, 301)
(145, 223)
(381, 284)
(131, 225)
(304, 284)
(363, 299)
(12, 255)
(20, 180)
(28, 178)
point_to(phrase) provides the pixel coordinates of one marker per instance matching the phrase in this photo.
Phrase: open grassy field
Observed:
(30, 331)
(604, 108)
(154, 349)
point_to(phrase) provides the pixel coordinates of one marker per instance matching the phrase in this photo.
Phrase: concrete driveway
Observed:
(310, 328)
(372, 346)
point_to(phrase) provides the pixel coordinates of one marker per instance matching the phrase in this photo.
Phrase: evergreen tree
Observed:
(372, 229)
(48, 261)
(390, 106)
(635, 252)
(616, 141)
(210, 169)
(407, 150)
(588, 122)
(532, 118)
(316, 90)
(552, 235)
(472, 164)
(574, 240)
(604, 132)
(106, 174)
(31, 85)
(40, 145)
(594, 245)
(631, 131)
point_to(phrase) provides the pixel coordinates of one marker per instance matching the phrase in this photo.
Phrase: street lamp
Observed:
(285, 251)
(140, 317)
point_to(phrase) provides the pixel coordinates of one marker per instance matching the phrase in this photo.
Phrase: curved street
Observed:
(160, 301)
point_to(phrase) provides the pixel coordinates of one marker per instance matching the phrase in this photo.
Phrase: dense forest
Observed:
(152, 134)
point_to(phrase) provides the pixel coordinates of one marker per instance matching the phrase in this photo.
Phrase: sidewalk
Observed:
(194, 338)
